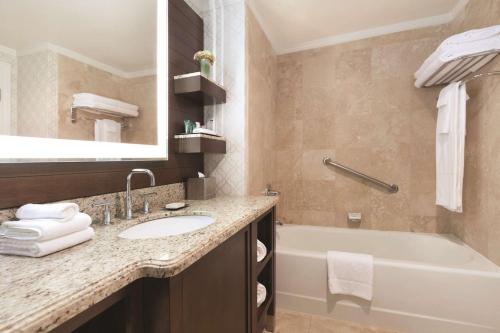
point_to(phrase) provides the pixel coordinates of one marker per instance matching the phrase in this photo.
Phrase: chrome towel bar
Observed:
(391, 188)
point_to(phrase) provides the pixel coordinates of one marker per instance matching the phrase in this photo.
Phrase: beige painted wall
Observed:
(261, 88)
(76, 77)
(479, 225)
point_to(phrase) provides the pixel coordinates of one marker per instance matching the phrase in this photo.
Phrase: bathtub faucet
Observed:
(269, 191)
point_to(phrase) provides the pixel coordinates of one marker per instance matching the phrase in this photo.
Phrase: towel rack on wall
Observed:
(74, 117)
(458, 69)
(480, 75)
(392, 188)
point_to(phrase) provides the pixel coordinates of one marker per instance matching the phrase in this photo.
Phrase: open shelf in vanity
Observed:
(264, 271)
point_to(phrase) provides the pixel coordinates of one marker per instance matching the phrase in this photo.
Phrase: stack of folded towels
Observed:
(45, 229)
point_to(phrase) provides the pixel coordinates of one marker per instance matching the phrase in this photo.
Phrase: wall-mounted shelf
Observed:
(199, 88)
(199, 143)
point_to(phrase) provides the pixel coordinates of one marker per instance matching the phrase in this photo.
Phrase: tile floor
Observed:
(293, 322)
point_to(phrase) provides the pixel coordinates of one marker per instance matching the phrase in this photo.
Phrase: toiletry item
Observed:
(261, 251)
(60, 211)
(261, 294)
(201, 175)
(175, 205)
(201, 130)
(200, 188)
(188, 126)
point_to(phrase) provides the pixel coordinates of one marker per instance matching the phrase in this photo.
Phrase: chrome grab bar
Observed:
(391, 188)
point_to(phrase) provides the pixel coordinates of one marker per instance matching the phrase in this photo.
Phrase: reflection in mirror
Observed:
(79, 70)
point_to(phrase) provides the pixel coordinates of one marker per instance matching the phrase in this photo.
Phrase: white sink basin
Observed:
(168, 226)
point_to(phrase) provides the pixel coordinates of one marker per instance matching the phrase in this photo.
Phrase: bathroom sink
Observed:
(168, 226)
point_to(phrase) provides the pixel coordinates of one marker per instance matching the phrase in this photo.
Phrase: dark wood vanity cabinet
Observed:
(216, 294)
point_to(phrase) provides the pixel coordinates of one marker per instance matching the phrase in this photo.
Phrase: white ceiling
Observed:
(294, 25)
(117, 33)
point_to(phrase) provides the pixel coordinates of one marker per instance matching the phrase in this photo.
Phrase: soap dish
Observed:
(175, 205)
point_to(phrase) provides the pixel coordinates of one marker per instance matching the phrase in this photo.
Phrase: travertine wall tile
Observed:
(478, 226)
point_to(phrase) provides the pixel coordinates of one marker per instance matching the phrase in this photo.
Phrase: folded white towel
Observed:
(62, 211)
(40, 249)
(350, 274)
(44, 229)
(261, 294)
(469, 43)
(104, 103)
(261, 251)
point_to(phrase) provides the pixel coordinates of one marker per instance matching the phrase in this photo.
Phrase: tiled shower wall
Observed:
(261, 101)
(356, 103)
(479, 224)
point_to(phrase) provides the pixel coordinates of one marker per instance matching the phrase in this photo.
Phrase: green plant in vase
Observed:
(206, 60)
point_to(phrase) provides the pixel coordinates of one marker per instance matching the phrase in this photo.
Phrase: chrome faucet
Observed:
(129, 194)
(270, 192)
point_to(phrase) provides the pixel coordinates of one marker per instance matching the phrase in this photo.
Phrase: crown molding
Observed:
(86, 60)
(430, 21)
(8, 50)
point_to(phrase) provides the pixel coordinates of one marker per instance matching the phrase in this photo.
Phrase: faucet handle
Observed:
(107, 211)
(146, 197)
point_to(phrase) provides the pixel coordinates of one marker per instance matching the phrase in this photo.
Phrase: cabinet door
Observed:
(215, 290)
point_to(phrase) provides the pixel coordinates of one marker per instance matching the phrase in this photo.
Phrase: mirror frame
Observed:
(18, 149)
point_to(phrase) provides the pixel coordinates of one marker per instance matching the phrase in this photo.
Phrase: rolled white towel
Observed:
(40, 249)
(261, 294)
(44, 229)
(61, 211)
(261, 251)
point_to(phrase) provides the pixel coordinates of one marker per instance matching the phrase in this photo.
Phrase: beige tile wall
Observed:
(261, 86)
(479, 225)
(356, 103)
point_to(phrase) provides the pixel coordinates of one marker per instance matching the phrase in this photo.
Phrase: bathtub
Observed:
(423, 283)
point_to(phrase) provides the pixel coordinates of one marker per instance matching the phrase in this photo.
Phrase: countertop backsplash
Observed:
(164, 194)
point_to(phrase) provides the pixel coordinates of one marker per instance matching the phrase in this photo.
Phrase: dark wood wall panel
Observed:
(44, 182)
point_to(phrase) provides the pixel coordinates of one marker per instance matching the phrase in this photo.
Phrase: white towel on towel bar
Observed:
(350, 274)
(469, 43)
(44, 229)
(110, 105)
(450, 146)
(107, 130)
(40, 249)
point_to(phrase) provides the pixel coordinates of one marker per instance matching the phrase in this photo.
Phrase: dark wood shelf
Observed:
(199, 143)
(264, 262)
(262, 312)
(199, 88)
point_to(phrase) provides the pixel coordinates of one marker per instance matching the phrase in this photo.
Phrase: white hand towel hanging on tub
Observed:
(107, 130)
(450, 146)
(350, 274)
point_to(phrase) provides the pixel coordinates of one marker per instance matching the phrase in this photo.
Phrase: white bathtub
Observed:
(423, 283)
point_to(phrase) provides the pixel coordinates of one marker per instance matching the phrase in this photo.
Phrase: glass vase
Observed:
(205, 67)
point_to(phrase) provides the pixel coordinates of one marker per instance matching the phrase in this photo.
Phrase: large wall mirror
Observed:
(83, 80)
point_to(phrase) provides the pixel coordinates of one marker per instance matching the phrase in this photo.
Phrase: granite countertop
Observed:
(38, 294)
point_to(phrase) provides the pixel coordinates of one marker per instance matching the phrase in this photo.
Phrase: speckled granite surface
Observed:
(37, 294)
